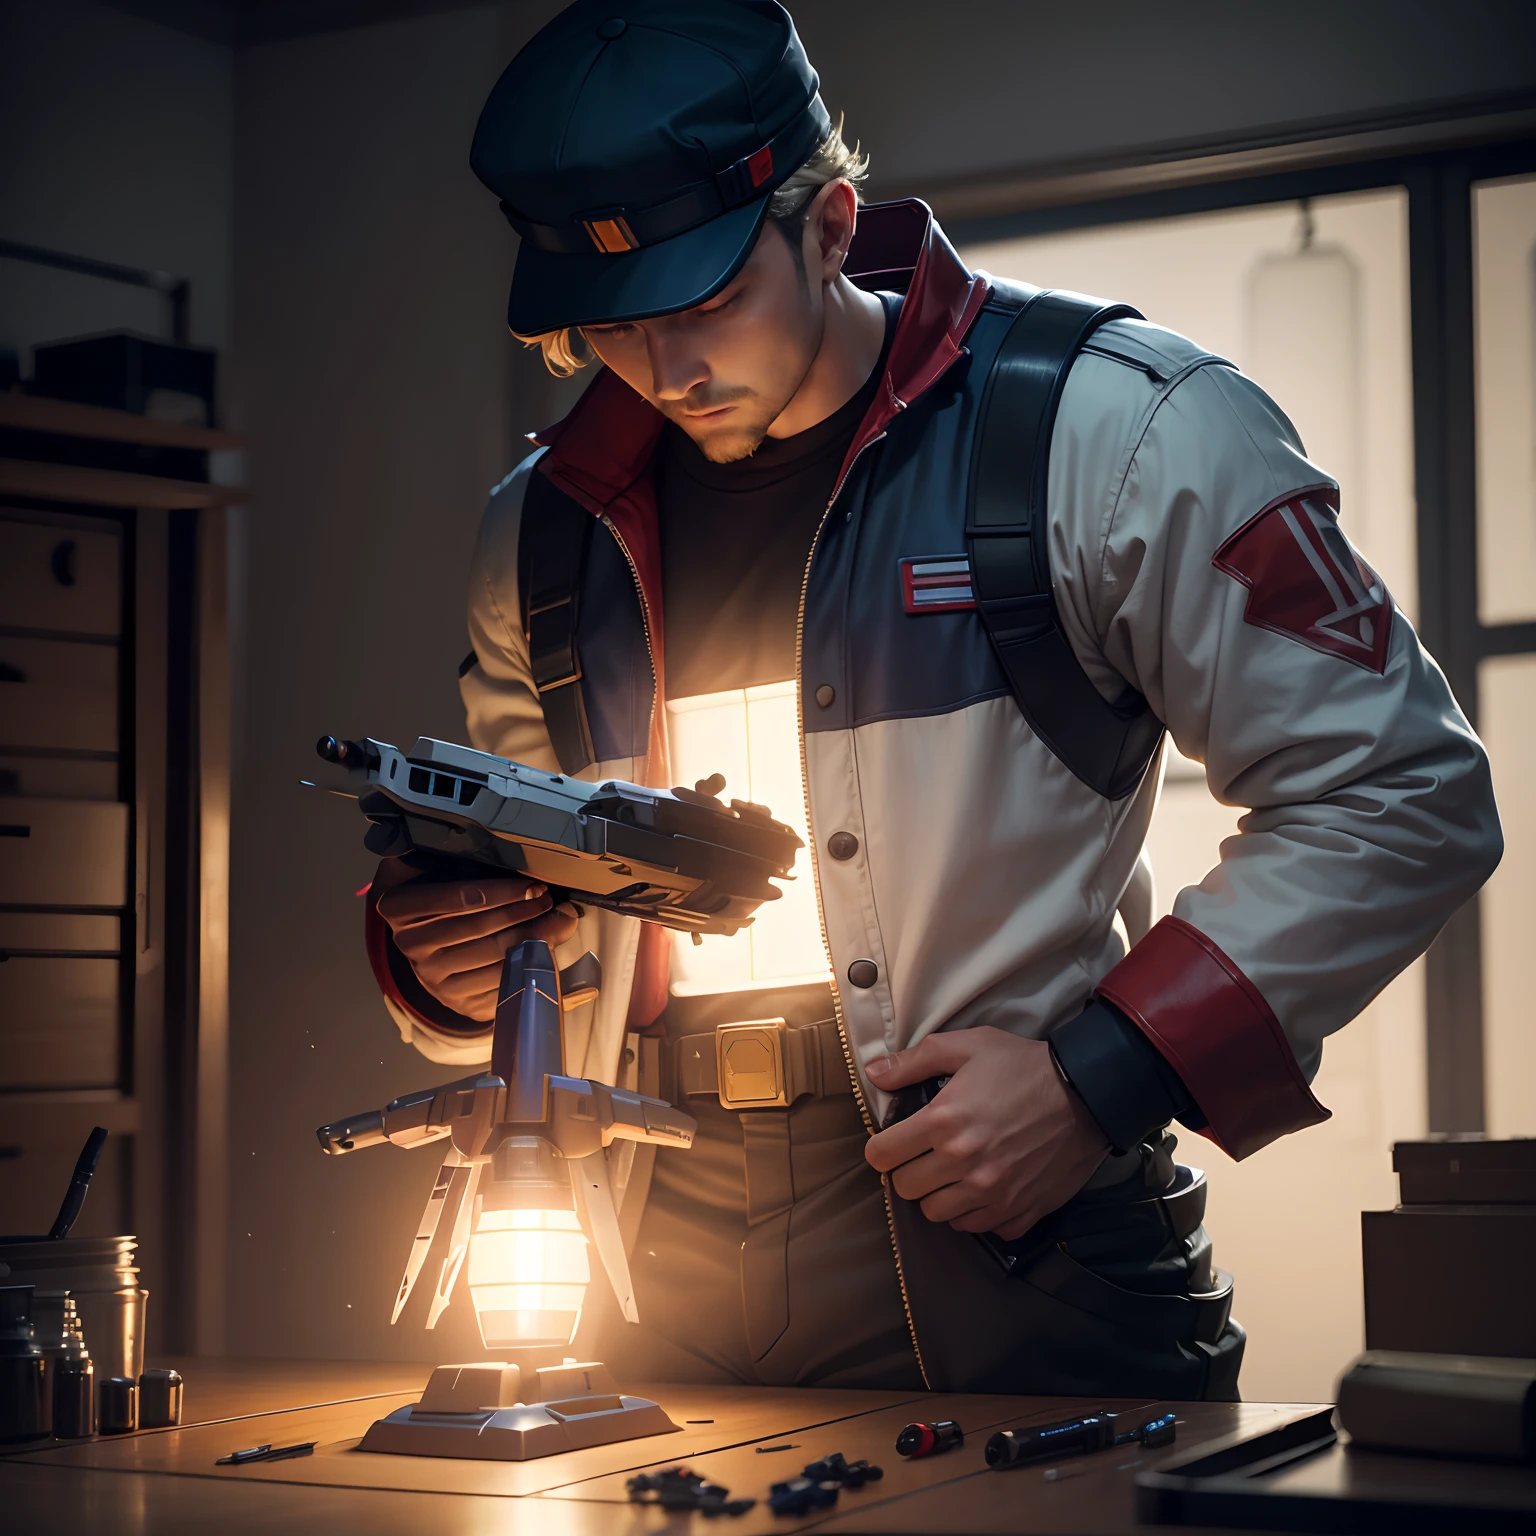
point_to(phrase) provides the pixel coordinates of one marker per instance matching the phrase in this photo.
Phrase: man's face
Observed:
(725, 370)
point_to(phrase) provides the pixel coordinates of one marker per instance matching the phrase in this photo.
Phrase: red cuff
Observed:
(1213, 1027)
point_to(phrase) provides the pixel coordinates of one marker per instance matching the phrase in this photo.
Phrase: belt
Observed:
(759, 1064)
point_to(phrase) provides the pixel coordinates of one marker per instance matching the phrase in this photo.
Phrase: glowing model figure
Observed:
(525, 1181)
(525, 1186)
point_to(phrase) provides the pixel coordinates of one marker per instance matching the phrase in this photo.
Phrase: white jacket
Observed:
(1195, 555)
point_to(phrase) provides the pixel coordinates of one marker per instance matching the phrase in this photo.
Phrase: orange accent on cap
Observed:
(760, 165)
(611, 235)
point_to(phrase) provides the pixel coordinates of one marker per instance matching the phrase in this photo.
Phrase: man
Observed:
(740, 551)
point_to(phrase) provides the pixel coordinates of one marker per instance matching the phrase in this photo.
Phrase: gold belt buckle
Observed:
(755, 1066)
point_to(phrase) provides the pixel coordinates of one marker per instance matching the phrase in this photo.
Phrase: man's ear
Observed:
(829, 225)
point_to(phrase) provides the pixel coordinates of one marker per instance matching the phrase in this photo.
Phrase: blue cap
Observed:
(634, 145)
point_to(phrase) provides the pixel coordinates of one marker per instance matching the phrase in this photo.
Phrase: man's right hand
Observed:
(456, 933)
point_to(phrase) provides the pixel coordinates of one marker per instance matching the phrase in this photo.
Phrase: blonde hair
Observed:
(566, 350)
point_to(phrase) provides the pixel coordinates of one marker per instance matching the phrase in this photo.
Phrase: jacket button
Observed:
(863, 974)
(842, 845)
(825, 694)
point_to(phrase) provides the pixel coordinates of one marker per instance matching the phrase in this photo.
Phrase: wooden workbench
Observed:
(164, 1482)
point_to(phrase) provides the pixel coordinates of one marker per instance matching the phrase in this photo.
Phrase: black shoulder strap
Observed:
(552, 554)
(1107, 746)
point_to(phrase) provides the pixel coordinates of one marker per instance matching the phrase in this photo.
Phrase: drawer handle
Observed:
(63, 562)
(14, 829)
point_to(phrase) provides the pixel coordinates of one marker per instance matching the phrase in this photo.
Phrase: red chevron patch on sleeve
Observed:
(1305, 580)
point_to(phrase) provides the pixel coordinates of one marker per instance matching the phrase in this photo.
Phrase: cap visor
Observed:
(551, 291)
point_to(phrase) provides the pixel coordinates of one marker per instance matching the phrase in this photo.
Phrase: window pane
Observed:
(1507, 695)
(1504, 232)
(1313, 304)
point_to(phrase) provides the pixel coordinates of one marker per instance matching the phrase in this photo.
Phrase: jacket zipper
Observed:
(645, 625)
(805, 791)
(837, 999)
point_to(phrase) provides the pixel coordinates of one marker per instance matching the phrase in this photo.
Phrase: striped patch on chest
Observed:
(936, 584)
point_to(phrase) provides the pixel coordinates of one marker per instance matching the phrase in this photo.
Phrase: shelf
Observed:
(112, 487)
(36, 413)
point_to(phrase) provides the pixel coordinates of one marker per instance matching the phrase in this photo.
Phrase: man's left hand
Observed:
(1005, 1142)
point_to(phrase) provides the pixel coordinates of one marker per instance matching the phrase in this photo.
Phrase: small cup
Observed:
(74, 1398)
(160, 1399)
(117, 1406)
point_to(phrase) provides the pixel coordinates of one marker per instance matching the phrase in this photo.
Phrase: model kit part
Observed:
(683, 860)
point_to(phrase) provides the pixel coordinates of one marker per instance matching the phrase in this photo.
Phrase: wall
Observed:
(116, 138)
(382, 397)
(1504, 243)
(1012, 84)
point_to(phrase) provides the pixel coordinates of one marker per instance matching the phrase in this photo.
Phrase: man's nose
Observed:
(676, 367)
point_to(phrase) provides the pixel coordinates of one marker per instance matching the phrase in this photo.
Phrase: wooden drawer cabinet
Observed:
(62, 1022)
(113, 852)
(60, 578)
(59, 933)
(63, 853)
(57, 778)
(57, 696)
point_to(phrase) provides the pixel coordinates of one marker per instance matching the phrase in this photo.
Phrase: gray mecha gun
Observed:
(521, 1133)
(680, 858)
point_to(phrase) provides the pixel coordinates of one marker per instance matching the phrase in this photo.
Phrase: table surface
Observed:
(165, 1482)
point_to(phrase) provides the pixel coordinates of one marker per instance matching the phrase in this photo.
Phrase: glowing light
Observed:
(752, 737)
(528, 1276)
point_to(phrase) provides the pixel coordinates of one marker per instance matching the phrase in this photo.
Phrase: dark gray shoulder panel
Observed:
(616, 682)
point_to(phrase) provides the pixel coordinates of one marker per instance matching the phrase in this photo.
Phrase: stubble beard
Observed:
(736, 439)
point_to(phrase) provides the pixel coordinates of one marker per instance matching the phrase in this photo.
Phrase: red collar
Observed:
(900, 245)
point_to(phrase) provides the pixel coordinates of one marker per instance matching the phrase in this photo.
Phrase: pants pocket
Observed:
(1185, 1319)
